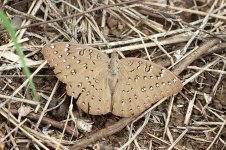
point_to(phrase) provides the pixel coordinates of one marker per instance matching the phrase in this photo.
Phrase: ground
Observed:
(187, 37)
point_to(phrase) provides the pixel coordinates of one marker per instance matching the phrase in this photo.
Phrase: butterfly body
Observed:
(113, 72)
(124, 87)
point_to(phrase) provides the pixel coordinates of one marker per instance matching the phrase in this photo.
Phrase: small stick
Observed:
(46, 120)
(194, 55)
(189, 110)
(74, 15)
(101, 133)
(218, 134)
(178, 139)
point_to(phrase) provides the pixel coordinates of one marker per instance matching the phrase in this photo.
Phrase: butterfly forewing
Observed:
(73, 60)
(141, 84)
(83, 69)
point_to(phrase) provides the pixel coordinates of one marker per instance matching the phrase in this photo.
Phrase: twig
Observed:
(170, 40)
(4, 112)
(178, 139)
(46, 120)
(16, 99)
(147, 117)
(194, 55)
(184, 10)
(168, 116)
(205, 20)
(189, 110)
(74, 15)
(46, 105)
(102, 133)
(164, 141)
(218, 134)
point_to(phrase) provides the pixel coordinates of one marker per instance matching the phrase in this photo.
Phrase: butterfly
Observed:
(124, 87)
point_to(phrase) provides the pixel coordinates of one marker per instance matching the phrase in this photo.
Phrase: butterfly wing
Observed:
(83, 69)
(142, 83)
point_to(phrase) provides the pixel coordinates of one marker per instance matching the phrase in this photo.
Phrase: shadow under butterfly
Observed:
(124, 87)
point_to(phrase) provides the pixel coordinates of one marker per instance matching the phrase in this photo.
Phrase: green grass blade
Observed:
(7, 24)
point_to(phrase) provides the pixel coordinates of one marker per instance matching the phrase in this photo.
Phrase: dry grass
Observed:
(186, 36)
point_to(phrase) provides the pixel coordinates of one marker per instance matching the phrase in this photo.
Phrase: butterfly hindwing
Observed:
(95, 98)
(142, 83)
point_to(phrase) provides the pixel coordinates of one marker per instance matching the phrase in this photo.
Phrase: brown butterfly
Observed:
(124, 87)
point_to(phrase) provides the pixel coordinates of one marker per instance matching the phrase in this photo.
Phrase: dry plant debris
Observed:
(187, 37)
